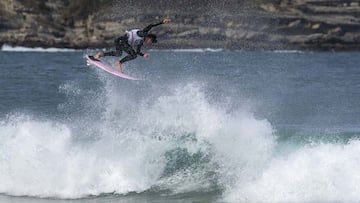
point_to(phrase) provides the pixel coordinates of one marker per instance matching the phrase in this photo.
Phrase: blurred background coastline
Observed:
(320, 25)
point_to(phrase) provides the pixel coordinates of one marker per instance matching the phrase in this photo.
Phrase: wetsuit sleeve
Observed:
(144, 32)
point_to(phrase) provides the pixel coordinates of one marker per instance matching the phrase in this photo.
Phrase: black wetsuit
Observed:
(121, 44)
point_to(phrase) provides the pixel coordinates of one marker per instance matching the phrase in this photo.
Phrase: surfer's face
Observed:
(148, 41)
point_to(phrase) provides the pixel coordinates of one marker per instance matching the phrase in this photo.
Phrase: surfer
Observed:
(131, 43)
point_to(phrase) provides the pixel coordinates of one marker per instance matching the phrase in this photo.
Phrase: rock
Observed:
(268, 7)
(294, 23)
(354, 4)
(315, 26)
(336, 31)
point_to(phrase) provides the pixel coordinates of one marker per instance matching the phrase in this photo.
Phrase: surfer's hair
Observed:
(152, 37)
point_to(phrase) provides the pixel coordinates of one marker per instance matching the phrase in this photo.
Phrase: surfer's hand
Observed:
(146, 55)
(166, 21)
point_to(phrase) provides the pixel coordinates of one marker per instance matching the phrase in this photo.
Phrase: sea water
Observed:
(201, 126)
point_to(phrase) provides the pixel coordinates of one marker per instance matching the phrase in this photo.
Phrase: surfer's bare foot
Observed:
(118, 66)
(98, 55)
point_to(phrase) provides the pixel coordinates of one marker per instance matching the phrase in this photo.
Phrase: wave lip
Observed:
(9, 48)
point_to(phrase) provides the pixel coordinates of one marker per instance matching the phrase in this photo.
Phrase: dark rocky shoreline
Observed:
(230, 24)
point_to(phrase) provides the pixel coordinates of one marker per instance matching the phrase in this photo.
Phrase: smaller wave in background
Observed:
(200, 50)
(9, 48)
(288, 51)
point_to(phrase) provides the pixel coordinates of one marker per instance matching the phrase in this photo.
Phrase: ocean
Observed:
(202, 125)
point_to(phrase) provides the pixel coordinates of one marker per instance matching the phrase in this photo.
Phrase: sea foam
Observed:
(45, 158)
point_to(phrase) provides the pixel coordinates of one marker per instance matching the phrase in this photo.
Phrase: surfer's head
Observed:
(150, 38)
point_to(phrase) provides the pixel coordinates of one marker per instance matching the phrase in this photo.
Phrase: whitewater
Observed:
(204, 125)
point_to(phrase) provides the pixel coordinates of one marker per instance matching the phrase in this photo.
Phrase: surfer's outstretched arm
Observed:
(145, 31)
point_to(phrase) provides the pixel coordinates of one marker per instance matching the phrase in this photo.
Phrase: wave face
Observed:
(191, 131)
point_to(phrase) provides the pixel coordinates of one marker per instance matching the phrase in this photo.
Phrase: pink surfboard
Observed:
(108, 68)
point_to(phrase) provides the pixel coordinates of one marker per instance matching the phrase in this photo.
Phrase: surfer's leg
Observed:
(101, 54)
(118, 65)
(131, 55)
(110, 53)
(117, 52)
(118, 48)
(128, 58)
(119, 45)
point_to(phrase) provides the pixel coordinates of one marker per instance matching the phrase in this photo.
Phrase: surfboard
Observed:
(106, 67)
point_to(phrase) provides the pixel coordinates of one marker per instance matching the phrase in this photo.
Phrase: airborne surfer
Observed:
(131, 43)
